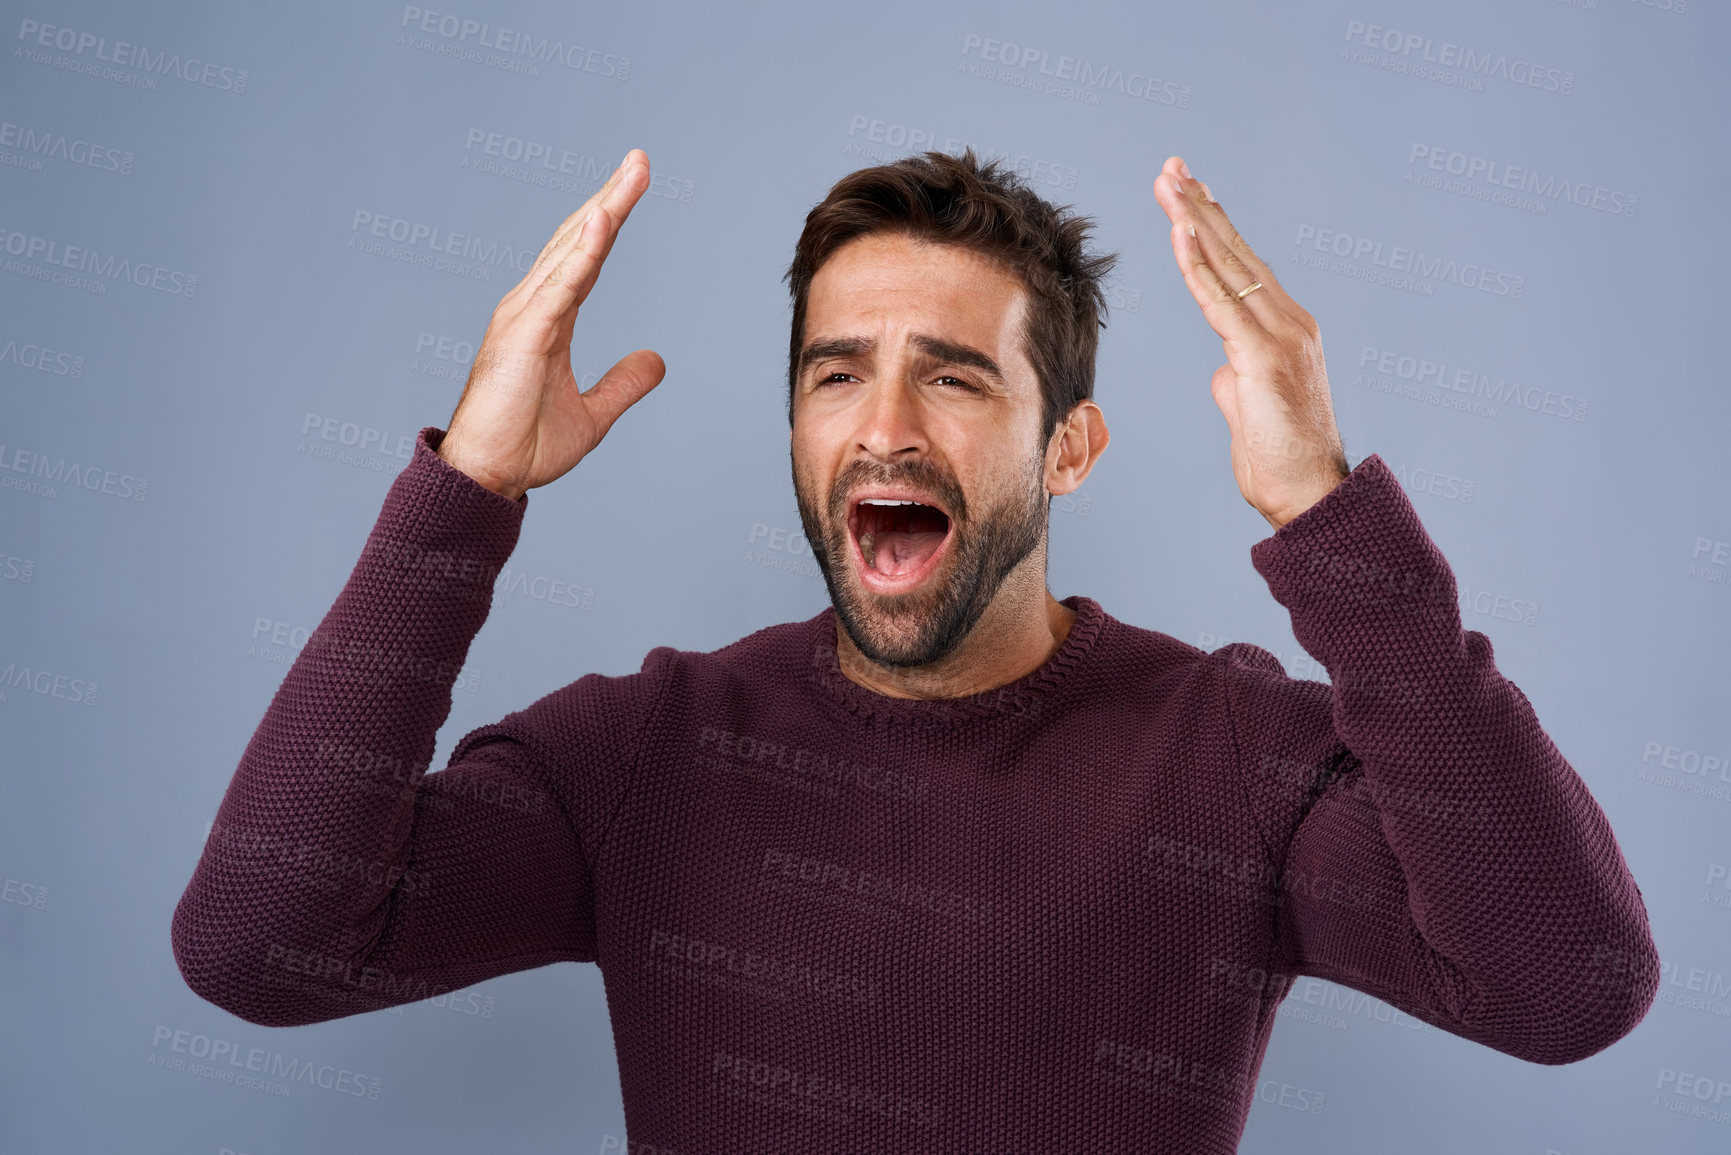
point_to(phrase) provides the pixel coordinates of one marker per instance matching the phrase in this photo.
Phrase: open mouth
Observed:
(897, 540)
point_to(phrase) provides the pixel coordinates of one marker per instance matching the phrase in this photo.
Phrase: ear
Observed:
(1076, 445)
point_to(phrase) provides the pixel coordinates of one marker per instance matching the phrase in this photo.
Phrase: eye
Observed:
(963, 384)
(829, 379)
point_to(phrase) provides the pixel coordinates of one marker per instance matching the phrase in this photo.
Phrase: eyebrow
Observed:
(951, 351)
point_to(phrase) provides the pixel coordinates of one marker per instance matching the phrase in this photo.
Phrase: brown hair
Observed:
(989, 209)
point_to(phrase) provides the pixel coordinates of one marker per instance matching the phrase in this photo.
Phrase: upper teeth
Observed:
(884, 501)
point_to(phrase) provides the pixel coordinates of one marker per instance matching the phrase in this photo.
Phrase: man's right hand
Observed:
(522, 420)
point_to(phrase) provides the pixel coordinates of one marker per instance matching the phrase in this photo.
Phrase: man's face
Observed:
(913, 388)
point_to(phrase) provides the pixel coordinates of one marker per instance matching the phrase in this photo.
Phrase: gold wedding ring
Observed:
(1249, 289)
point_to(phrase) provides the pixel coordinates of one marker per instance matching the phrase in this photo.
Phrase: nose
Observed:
(892, 423)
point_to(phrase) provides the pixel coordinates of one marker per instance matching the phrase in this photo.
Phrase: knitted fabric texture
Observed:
(1059, 915)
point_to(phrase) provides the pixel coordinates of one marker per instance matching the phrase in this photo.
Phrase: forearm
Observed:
(1508, 868)
(309, 850)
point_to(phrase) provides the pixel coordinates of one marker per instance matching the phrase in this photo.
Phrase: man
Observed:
(952, 865)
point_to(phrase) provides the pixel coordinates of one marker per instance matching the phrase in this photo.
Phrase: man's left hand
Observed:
(1273, 390)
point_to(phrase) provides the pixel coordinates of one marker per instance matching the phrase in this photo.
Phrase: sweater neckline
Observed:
(1026, 695)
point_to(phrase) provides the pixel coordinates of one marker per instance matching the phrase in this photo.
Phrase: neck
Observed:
(1018, 632)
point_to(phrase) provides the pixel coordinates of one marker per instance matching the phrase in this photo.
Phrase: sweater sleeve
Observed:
(1430, 844)
(339, 877)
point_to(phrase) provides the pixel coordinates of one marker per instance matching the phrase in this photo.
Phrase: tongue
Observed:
(898, 551)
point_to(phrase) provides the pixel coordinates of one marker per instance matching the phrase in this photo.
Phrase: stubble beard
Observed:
(925, 624)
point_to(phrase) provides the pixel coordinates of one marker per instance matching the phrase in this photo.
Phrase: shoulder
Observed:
(606, 715)
(1162, 653)
(1248, 728)
(775, 652)
(1283, 732)
(1130, 655)
(1255, 682)
(1238, 678)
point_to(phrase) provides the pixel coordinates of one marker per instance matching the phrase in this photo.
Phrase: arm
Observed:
(1448, 858)
(340, 878)
(1436, 850)
(337, 877)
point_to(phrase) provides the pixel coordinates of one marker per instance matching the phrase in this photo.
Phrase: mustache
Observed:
(923, 475)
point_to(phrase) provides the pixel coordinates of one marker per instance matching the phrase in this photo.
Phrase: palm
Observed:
(571, 424)
(1273, 390)
(1246, 410)
(523, 421)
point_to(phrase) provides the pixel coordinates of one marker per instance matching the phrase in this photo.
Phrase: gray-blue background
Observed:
(186, 477)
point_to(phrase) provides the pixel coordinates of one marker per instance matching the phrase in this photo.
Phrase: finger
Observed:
(557, 243)
(1228, 232)
(619, 193)
(618, 206)
(1226, 314)
(1176, 196)
(611, 212)
(575, 262)
(1237, 277)
(589, 245)
(1185, 203)
(567, 284)
(623, 386)
(1210, 210)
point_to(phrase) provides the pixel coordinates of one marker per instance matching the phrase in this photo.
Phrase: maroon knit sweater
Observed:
(1058, 915)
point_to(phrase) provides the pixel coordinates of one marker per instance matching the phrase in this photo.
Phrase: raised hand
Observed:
(1273, 389)
(522, 420)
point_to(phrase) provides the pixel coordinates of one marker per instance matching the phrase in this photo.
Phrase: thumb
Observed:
(622, 386)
